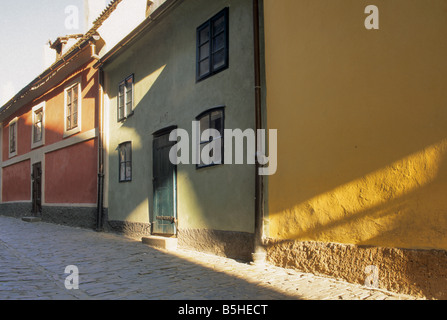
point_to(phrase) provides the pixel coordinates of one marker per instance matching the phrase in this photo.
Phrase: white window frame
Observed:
(73, 84)
(14, 122)
(126, 113)
(39, 107)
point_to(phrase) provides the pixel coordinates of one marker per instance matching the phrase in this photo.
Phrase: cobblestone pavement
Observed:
(33, 258)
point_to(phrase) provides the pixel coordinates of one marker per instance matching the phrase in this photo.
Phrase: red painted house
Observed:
(50, 136)
(50, 141)
(51, 132)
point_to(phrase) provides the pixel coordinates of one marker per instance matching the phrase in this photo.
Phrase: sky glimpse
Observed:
(25, 27)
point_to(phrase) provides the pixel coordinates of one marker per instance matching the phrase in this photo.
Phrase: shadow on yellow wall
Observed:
(361, 118)
(398, 206)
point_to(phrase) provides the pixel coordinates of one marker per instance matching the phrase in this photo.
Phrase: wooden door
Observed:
(164, 186)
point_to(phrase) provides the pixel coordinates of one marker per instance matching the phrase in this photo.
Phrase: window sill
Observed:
(12, 155)
(199, 167)
(71, 132)
(37, 145)
(125, 118)
(212, 73)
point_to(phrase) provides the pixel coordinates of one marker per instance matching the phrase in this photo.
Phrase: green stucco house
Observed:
(189, 66)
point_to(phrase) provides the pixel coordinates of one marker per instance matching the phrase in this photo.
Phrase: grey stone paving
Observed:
(33, 258)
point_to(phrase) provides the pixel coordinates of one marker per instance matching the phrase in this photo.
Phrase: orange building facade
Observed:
(49, 162)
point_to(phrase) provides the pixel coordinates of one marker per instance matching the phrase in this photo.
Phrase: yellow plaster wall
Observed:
(362, 122)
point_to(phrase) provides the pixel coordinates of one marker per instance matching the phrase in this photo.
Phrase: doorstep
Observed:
(32, 219)
(161, 242)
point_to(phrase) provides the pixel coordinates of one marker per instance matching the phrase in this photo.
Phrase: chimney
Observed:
(152, 5)
(92, 11)
(49, 55)
(53, 51)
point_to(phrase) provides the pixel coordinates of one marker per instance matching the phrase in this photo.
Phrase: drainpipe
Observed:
(100, 208)
(100, 197)
(259, 253)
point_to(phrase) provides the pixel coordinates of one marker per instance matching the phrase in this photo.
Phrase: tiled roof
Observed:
(96, 24)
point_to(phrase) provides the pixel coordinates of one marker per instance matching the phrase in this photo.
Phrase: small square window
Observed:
(125, 98)
(212, 46)
(125, 162)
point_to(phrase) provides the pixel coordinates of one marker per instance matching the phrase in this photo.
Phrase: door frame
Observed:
(155, 135)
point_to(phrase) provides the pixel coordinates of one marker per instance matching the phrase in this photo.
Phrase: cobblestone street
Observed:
(33, 258)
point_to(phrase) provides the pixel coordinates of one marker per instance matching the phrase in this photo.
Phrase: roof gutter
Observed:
(100, 204)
